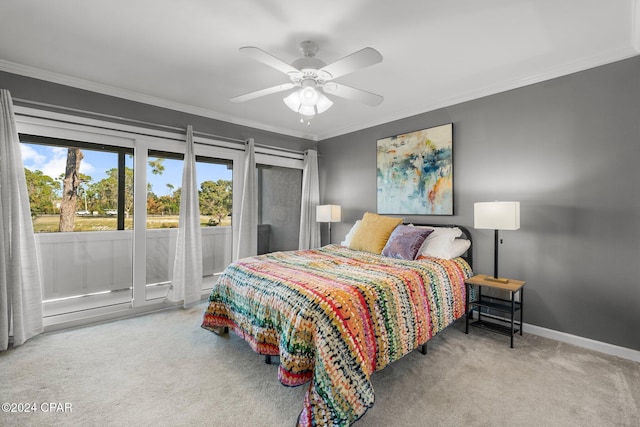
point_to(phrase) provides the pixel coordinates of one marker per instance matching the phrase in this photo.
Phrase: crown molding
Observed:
(635, 25)
(78, 83)
(551, 73)
(568, 68)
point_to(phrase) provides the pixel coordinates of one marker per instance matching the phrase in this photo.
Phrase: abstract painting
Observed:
(415, 172)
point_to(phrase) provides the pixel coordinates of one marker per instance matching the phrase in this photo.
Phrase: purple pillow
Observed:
(405, 242)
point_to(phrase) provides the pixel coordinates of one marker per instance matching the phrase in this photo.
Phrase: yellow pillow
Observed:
(373, 232)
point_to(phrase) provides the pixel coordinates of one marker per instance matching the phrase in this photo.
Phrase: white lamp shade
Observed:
(307, 110)
(307, 101)
(308, 96)
(328, 213)
(293, 101)
(323, 104)
(496, 215)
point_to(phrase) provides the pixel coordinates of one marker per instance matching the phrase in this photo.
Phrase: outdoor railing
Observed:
(82, 263)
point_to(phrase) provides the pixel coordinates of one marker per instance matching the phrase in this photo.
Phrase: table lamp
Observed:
(496, 216)
(328, 213)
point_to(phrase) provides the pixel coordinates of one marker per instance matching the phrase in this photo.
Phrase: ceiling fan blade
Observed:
(266, 58)
(353, 94)
(350, 63)
(262, 92)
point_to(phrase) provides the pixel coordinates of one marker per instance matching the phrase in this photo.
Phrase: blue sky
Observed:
(52, 160)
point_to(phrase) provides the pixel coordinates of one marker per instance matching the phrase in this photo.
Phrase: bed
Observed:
(335, 315)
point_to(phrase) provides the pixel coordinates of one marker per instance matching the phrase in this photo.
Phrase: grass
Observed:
(49, 223)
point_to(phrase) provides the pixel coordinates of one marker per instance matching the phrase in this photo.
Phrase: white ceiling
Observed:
(184, 55)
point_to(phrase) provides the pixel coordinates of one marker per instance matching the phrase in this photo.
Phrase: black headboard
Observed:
(465, 235)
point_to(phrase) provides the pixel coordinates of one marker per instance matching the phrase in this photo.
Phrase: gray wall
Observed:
(568, 150)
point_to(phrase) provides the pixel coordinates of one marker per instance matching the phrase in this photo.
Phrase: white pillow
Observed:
(439, 243)
(347, 238)
(459, 247)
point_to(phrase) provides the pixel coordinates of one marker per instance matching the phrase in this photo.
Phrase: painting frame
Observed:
(414, 172)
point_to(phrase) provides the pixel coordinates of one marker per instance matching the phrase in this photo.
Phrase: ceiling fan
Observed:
(314, 78)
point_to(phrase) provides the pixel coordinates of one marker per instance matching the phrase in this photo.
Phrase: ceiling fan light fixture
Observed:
(313, 79)
(307, 102)
(293, 101)
(308, 96)
(306, 118)
(307, 111)
(323, 103)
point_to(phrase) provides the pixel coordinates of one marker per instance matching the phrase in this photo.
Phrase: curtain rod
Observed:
(91, 114)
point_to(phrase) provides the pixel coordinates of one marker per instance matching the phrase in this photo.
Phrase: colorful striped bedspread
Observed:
(335, 316)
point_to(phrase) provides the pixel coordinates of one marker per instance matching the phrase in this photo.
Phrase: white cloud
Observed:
(52, 161)
(55, 161)
(30, 156)
(86, 168)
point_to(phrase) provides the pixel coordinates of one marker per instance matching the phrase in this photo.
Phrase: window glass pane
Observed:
(164, 179)
(215, 192)
(76, 186)
(164, 186)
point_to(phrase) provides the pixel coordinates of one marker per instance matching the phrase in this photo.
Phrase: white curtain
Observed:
(248, 222)
(186, 284)
(309, 228)
(20, 283)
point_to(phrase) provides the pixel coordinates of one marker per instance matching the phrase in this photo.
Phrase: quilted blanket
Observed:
(335, 316)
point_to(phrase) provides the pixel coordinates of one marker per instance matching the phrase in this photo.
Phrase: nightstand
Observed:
(487, 305)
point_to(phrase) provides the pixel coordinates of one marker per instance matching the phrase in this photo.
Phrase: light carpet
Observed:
(162, 369)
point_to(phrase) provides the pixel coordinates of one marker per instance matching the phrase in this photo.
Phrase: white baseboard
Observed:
(602, 347)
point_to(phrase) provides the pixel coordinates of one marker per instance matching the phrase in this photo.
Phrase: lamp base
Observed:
(496, 279)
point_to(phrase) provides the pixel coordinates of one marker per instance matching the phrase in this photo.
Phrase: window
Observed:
(78, 186)
(164, 181)
(164, 178)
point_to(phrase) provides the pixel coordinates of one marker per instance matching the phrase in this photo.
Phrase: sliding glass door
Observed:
(164, 177)
(215, 191)
(279, 198)
(81, 198)
(105, 205)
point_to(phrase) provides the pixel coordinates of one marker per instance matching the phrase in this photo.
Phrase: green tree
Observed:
(157, 166)
(43, 191)
(75, 191)
(169, 205)
(105, 192)
(83, 197)
(154, 207)
(216, 198)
